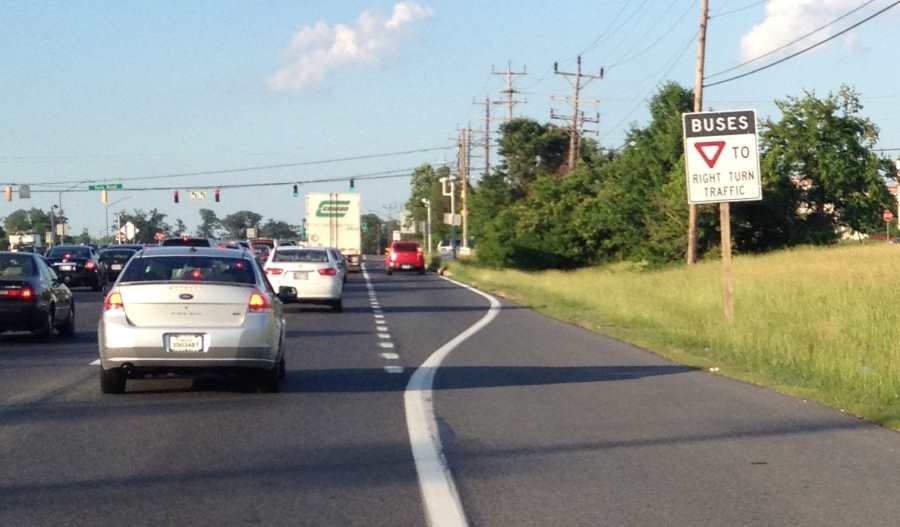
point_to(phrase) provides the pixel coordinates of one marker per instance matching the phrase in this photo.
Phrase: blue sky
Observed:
(97, 90)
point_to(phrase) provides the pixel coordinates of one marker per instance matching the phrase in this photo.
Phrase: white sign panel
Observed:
(721, 157)
(198, 195)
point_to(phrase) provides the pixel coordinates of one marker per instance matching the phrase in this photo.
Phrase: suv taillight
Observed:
(90, 265)
(259, 303)
(113, 301)
(328, 271)
(274, 271)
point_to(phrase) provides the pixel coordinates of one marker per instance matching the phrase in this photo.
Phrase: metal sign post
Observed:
(721, 160)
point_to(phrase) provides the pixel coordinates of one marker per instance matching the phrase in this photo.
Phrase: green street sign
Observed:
(106, 186)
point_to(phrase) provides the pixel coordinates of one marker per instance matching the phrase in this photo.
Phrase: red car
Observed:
(405, 256)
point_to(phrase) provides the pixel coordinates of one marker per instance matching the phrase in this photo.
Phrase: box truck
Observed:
(333, 220)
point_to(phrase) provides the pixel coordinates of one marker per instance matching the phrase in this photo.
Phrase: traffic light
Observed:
(296, 191)
(7, 193)
(104, 196)
(176, 196)
(216, 195)
(352, 184)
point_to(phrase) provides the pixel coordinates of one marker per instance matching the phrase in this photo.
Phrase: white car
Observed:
(315, 273)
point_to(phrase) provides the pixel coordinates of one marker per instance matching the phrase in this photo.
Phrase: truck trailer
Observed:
(333, 220)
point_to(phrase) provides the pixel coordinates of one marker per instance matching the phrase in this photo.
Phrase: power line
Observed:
(388, 174)
(738, 9)
(628, 58)
(791, 43)
(606, 31)
(804, 50)
(250, 168)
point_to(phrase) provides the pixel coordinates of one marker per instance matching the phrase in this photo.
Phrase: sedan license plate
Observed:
(66, 267)
(406, 266)
(184, 343)
(116, 267)
(301, 275)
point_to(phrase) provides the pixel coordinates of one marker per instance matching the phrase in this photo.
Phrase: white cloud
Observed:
(788, 19)
(318, 49)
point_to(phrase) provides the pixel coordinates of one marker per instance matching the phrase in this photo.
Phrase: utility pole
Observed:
(510, 92)
(486, 133)
(577, 118)
(698, 107)
(465, 139)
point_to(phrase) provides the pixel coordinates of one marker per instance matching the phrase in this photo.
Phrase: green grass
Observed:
(819, 323)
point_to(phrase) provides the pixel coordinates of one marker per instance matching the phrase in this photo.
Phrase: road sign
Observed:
(251, 233)
(159, 236)
(721, 157)
(24, 191)
(452, 219)
(129, 231)
(106, 186)
(199, 195)
(888, 216)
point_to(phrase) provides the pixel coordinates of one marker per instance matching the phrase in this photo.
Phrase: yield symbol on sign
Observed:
(708, 146)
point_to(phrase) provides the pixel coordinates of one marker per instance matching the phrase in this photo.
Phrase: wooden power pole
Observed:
(510, 92)
(698, 107)
(577, 119)
(486, 132)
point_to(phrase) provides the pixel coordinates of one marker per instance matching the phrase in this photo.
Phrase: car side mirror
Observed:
(287, 294)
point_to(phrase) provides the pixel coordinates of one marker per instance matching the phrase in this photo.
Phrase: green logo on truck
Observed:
(333, 209)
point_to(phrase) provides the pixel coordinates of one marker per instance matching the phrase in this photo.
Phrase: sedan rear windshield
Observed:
(189, 269)
(16, 267)
(189, 242)
(73, 252)
(300, 255)
(116, 255)
(406, 247)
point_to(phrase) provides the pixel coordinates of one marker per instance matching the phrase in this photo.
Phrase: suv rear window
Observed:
(189, 269)
(16, 267)
(189, 242)
(116, 255)
(406, 247)
(300, 255)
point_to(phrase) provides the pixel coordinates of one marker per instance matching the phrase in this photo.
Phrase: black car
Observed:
(77, 265)
(33, 298)
(114, 259)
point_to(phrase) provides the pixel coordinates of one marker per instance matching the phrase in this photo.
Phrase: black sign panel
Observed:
(719, 123)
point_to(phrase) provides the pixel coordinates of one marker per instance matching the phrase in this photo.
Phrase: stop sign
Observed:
(888, 216)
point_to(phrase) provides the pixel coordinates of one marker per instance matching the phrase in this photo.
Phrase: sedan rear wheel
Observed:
(338, 306)
(112, 381)
(68, 327)
(269, 381)
(46, 331)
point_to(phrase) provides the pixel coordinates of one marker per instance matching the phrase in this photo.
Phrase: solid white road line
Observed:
(443, 507)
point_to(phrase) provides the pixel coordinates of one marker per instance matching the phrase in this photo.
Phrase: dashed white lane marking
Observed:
(393, 369)
(443, 507)
(96, 363)
(379, 316)
(384, 336)
(390, 356)
(386, 345)
(381, 328)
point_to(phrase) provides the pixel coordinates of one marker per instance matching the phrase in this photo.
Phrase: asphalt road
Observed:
(542, 424)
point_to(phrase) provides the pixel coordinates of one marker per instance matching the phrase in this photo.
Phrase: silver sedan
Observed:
(187, 310)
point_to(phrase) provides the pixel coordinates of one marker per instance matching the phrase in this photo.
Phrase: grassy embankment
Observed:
(819, 323)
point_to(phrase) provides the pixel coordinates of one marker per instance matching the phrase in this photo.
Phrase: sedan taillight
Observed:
(274, 271)
(90, 265)
(259, 303)
(113, 301)
(26, 294)
(328, 271)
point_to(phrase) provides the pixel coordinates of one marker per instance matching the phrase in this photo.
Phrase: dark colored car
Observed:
(33, 298)
(405, 256)
(77, 265)
(114, 259)
(185, 242)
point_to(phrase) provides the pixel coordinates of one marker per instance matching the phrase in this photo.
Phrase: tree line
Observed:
(821, 180)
